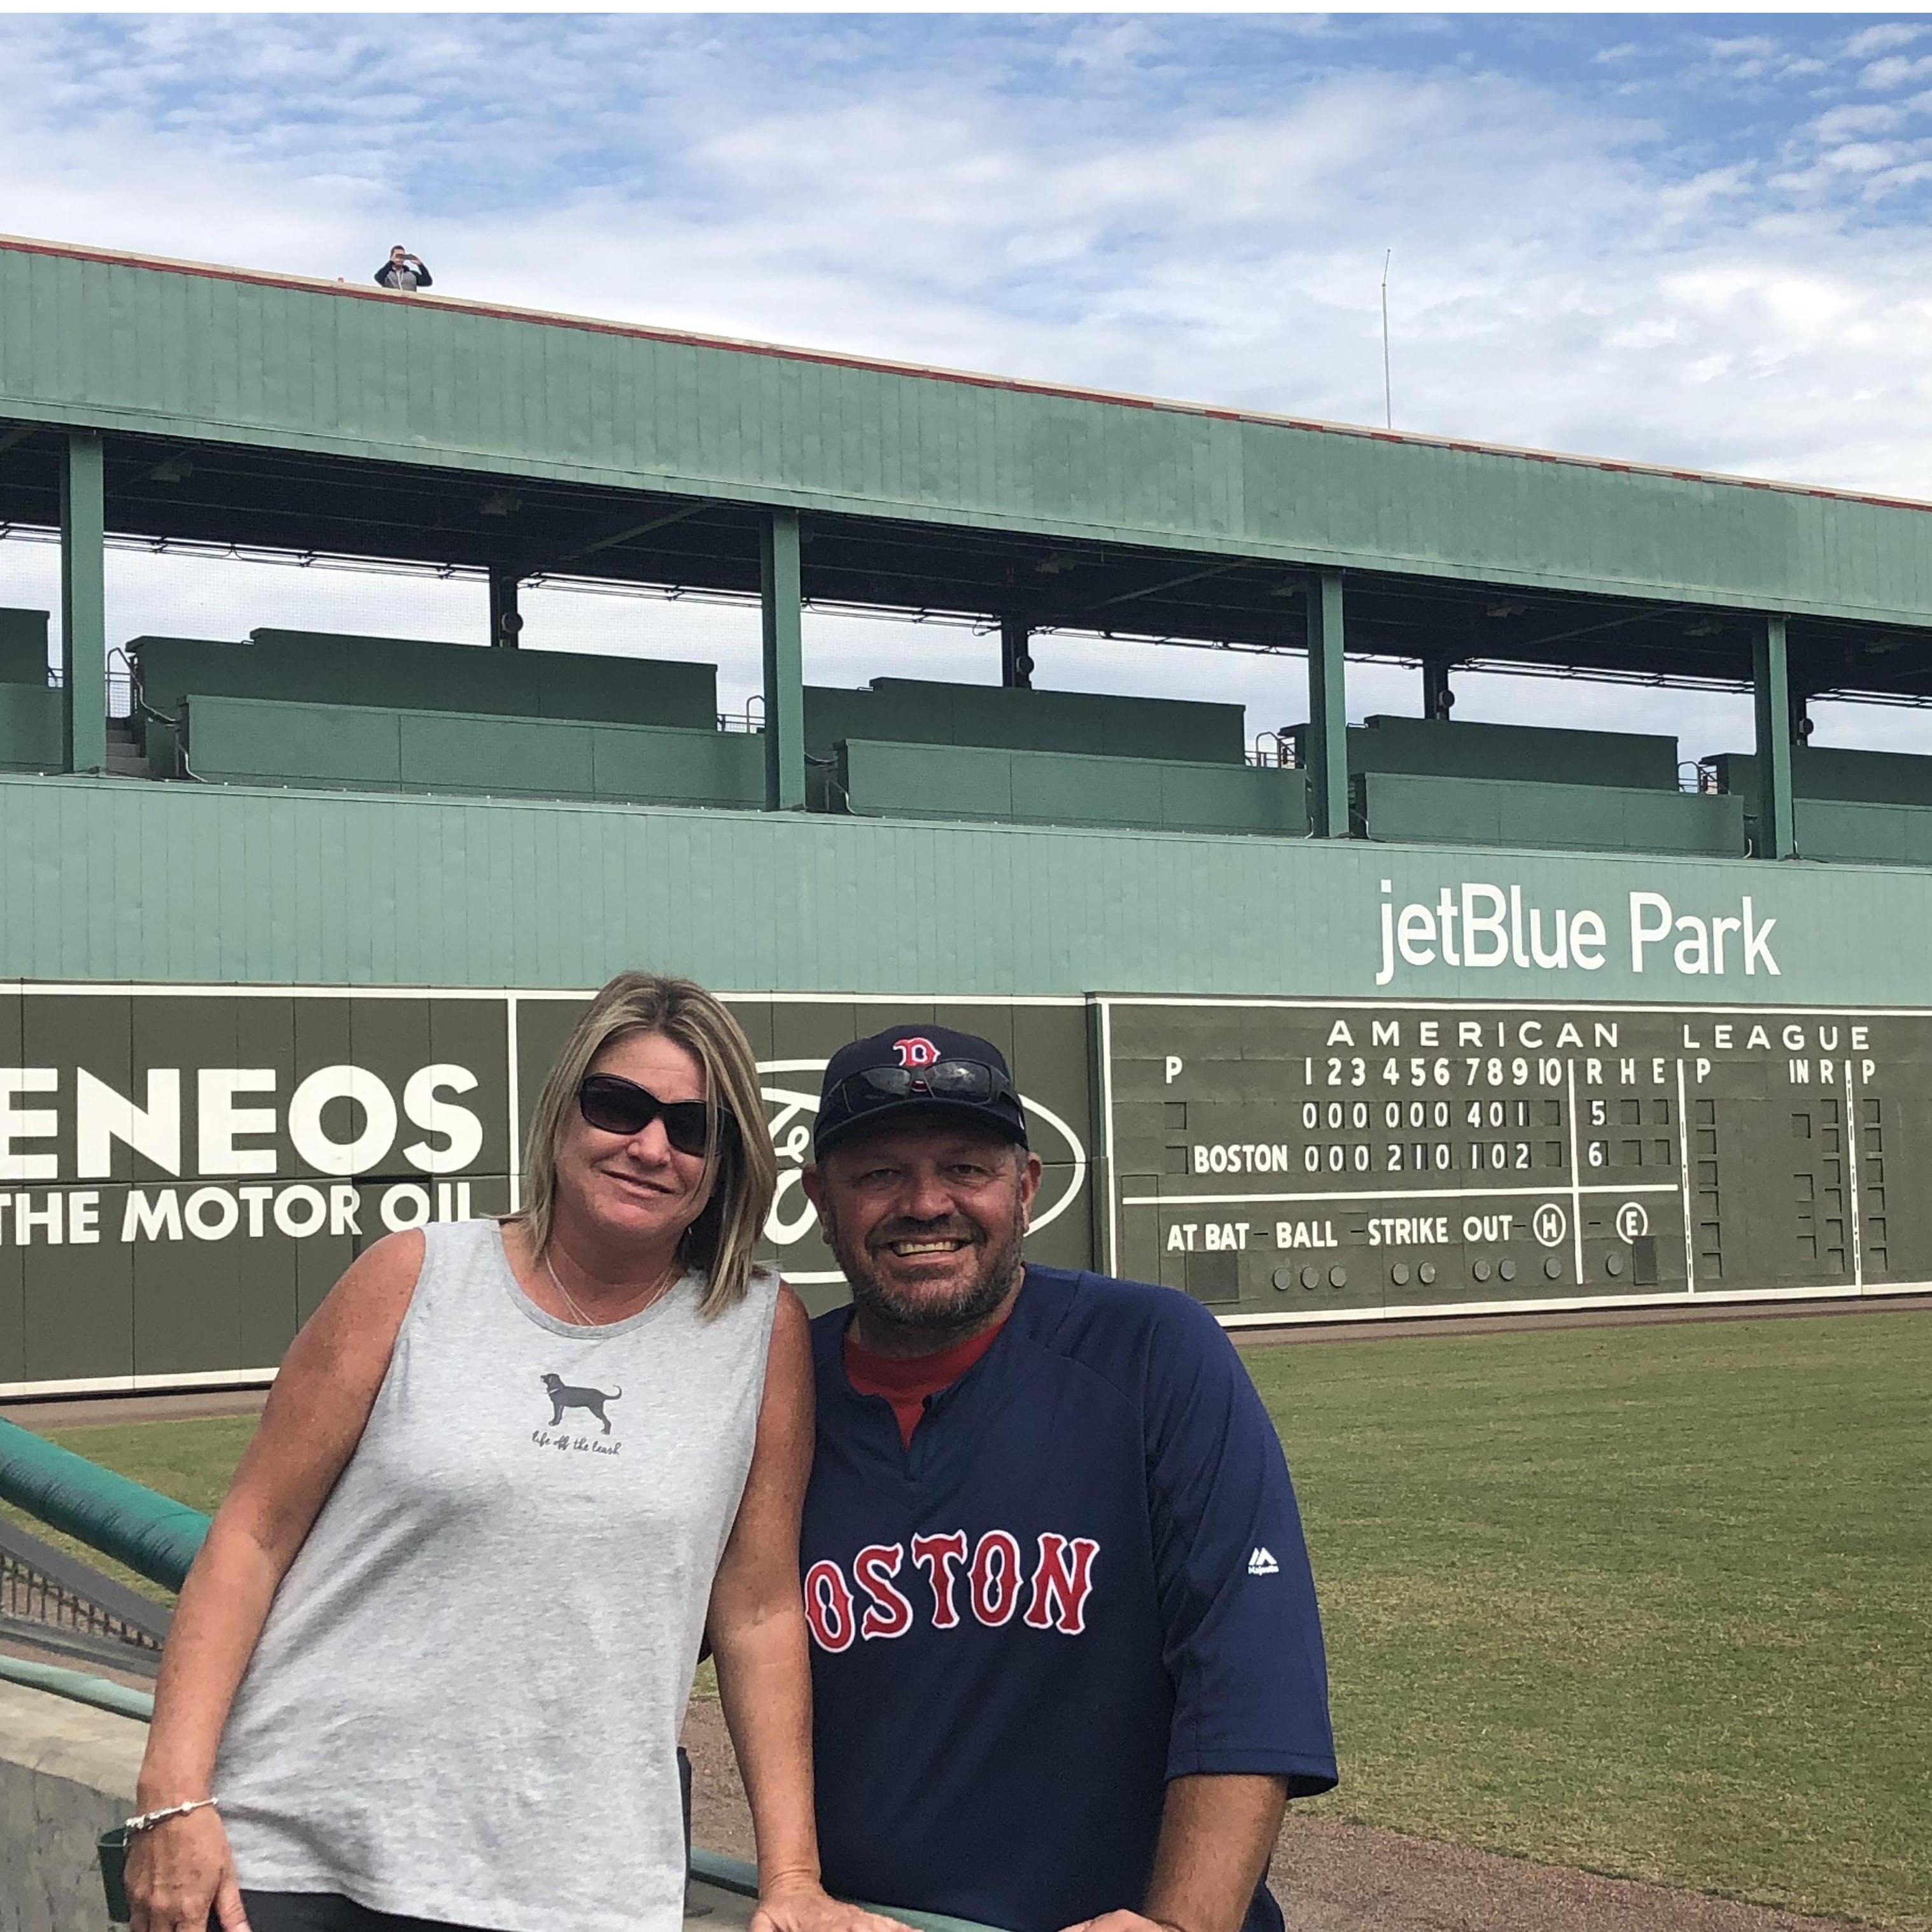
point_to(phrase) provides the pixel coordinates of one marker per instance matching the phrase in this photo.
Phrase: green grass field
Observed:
(1655, 1601)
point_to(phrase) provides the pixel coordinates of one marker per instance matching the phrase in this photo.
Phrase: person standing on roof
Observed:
(403, 272)
(1068, 1662)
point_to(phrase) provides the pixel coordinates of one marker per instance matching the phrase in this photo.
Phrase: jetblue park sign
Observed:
(1481, 923)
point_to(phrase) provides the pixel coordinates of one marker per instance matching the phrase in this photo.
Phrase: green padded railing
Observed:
(79, 1687)
(152, 1534)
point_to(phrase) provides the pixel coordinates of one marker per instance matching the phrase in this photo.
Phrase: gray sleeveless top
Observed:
(466, 1702)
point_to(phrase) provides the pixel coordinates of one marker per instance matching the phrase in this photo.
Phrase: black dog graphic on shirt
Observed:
(562, 1396)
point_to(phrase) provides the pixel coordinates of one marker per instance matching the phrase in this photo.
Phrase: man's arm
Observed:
(1242, 1633)
(1216, 1834)
(424, 278)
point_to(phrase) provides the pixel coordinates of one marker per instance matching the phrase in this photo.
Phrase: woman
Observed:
(431, 1663)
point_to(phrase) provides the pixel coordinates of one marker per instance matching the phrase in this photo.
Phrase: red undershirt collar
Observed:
(907, 1381)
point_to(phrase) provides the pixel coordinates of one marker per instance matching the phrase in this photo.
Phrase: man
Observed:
(403, 271)
(1067, 1659)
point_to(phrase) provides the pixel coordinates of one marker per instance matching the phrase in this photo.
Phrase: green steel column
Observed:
(784, 662)
(1328, 710)
(84, 605)
(1771, 679)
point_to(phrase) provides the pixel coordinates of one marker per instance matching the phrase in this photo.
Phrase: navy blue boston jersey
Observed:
(1085, 1577)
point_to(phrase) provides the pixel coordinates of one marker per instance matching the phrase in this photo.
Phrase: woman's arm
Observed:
(314, 1417)
(757, 1619)
(757, 1633)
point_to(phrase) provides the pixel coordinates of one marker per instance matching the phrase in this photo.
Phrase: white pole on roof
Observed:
(1388, 398)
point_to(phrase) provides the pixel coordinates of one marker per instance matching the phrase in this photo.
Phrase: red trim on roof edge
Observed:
(1016, 385)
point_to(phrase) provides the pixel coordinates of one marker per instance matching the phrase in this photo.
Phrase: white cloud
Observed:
(1881, 40)
(1894, 71)
(1849, 118)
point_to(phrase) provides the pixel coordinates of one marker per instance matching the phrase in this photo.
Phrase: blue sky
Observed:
(1691, 240)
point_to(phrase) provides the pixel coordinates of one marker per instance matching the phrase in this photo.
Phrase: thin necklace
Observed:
(585, 1321)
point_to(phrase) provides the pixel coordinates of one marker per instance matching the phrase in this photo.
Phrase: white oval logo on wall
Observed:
(790, 1088)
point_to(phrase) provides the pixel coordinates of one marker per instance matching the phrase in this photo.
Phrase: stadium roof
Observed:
(258, 410)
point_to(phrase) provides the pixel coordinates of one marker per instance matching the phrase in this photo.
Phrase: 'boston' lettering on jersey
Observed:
(1061, 1581)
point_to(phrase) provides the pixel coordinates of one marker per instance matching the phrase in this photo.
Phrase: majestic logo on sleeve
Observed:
(949, 1581)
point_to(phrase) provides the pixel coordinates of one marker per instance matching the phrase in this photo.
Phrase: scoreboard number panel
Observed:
(1283, 1158)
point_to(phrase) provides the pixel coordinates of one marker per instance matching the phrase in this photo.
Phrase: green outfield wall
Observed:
(244, 1032)
(112, 880)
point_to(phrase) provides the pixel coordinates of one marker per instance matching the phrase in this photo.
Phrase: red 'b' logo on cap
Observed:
(916, 1052)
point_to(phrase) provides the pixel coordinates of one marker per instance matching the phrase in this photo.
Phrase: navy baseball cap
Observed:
(917, 1069)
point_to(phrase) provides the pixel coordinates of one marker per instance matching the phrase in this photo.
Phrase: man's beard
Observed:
(960, 1313)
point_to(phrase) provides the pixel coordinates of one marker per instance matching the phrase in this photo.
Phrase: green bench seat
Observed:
(260, 741)
(1439, 747)
(1849, 831)
(917, 711)
(1402, 807)
(32, 734)
(23, 646)
(872, 779)
(1827, 772)
(396, 673)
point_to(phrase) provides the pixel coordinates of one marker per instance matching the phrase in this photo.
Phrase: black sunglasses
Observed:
(944, 1080)
(618, 1106)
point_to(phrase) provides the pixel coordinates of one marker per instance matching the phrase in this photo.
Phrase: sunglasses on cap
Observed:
(614, 1105)
(944, 1080)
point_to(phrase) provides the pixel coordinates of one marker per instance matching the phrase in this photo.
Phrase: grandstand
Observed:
(315, 814)
(521, 445)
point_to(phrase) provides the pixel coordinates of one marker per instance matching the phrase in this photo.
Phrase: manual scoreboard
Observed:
(1277, 1159)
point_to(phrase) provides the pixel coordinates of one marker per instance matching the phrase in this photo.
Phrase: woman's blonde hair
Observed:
(740, 1169)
